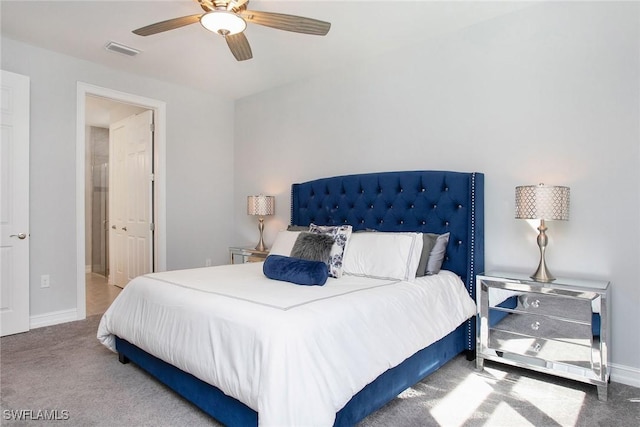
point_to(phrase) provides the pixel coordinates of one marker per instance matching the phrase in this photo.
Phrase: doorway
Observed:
(97, 109)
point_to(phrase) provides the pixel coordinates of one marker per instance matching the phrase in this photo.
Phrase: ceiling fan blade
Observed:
(169, 24)
(239, 46)
(280, 21)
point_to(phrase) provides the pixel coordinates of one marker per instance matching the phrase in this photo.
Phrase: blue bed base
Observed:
(234, 413)
(422, 201)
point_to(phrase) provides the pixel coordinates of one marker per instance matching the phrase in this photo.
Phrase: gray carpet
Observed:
(65, 368)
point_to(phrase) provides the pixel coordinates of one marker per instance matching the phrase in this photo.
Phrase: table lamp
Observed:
(261, 206)
(543, 202)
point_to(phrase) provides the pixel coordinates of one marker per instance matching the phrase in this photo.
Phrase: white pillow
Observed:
(284, 243)
(383, 255)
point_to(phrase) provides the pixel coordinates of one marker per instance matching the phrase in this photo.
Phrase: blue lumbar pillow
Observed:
(295, 270)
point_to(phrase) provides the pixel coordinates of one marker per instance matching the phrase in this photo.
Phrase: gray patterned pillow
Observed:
(340, 235)
(313, 247)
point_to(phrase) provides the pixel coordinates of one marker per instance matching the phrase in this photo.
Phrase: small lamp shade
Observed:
(542, 202)
(260, 205)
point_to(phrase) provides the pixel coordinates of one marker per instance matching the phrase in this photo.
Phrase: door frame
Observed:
(159, 164)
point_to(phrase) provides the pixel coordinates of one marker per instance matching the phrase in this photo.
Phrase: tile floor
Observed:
(100, 294)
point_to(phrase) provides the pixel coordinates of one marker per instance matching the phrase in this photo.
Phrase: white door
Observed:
(117, 204)
(14, 204)
(131, 190)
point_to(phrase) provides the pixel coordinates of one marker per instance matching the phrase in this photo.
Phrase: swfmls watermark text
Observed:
(35, 414)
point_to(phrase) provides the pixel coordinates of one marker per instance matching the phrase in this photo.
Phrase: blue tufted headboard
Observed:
(422, 201)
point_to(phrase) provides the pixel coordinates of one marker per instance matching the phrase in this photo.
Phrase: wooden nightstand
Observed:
(560, 328)
(242, 254)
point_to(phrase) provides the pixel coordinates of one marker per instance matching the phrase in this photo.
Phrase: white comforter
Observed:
(295, 354)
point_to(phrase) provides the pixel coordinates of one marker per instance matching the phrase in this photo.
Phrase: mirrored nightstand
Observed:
(242, 254)
(560, 328)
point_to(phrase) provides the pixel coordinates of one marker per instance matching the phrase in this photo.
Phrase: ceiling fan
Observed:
(229, 18)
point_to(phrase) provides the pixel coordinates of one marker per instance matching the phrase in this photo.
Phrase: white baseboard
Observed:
(87, 269)
(53, 318)
(625, 375)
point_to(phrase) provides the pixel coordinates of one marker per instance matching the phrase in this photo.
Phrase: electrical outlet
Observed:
(207, 262)
(45, 282)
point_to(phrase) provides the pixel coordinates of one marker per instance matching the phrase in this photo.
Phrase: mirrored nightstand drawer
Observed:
(545, 326)
(577, 307)
(564, 307)
(576, 353)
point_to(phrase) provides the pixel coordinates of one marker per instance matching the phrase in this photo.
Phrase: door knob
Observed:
(124, 228)
(20, 236)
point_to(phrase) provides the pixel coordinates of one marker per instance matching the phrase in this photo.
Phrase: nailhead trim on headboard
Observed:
(472, 274)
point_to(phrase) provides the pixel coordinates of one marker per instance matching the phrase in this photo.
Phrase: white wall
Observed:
(199, 144)
(547, 94)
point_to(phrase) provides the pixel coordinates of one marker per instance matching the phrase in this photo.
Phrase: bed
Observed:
(298, 372)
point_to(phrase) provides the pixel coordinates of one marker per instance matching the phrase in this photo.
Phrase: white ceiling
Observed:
(194, 57)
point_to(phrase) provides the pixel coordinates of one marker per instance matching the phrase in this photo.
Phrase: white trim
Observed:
(160, 114)
(53, 318)
(625, 375)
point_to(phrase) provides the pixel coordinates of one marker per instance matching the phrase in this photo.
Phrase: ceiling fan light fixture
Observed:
(223, 22)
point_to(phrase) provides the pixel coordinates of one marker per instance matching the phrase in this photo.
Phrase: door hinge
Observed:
(152, 226)
(152, 127)
(152, 177)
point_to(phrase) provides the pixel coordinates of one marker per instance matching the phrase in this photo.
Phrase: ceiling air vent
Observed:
(120, 48)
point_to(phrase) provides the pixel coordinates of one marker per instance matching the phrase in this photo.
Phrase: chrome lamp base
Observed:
(261, 246)
(542, 274)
